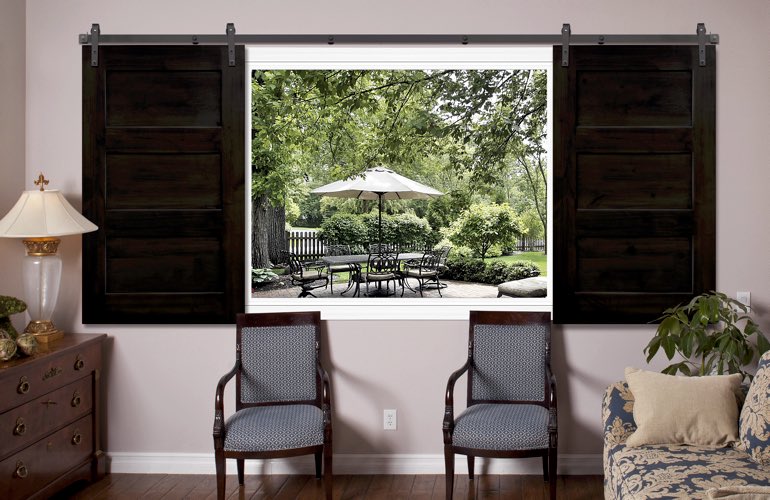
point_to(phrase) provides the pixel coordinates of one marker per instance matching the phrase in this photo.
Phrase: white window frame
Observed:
(398, 57)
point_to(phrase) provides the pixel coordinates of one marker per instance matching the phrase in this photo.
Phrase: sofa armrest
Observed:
(617, 415)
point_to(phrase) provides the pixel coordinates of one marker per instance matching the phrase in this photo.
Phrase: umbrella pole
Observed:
(379, 224)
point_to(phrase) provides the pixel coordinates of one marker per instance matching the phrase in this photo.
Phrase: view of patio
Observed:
(370, 180)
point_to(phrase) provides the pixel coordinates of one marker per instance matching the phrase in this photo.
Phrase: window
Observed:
(391, 73)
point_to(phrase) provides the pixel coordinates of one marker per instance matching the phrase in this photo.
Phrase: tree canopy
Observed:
(476, 135)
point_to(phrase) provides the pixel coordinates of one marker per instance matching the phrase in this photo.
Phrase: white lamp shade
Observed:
(40, 214)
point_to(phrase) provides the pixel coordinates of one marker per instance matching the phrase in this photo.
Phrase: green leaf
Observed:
(669, 346)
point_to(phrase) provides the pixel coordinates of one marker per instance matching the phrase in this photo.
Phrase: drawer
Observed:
(31, 421)
(31, 469)
(41, 376)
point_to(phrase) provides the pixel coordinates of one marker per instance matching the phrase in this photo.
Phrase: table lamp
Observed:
(40, 217)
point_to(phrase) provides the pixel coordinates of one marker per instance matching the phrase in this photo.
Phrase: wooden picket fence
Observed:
(308, 246)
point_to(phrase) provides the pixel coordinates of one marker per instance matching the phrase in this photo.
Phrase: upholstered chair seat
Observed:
(280, 428)
(502, 427)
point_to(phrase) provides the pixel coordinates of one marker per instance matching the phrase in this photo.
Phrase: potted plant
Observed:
(712, 334)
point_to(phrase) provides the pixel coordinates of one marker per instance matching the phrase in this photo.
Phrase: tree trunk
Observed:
(260, 215)
(276, 238)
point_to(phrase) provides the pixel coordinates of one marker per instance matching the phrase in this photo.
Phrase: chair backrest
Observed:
(431, 260)
(509, 352)
(337, 250)
(278, 354)
(295, 265)
(382, 263)
(380, 248)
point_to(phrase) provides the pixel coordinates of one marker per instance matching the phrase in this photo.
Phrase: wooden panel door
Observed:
(163, 178)
(634, 181)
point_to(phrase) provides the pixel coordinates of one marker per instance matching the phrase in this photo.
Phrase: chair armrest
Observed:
(552, 408)
(326, 406)
(219, 400)
(449, 417)
(617, 414)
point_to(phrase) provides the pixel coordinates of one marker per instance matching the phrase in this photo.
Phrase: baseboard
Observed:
(203, 463)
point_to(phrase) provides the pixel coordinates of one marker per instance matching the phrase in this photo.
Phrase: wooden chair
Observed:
(511, 409)
(282, 399)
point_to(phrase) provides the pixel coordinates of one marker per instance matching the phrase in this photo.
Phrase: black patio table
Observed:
(361, 259)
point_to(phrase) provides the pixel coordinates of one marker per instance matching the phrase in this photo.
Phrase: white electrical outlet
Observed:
(744, 298)
(389, 420)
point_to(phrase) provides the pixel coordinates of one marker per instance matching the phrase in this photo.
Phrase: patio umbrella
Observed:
(378, 184)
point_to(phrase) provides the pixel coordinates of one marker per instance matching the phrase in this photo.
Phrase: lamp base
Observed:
(44, 331)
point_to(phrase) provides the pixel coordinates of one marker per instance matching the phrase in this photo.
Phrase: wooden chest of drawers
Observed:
(49, 418)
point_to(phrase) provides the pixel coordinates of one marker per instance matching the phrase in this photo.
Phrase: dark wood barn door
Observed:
(634, 181)
(163, 178)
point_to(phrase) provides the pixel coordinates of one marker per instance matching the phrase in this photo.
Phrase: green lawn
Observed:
(538, 258)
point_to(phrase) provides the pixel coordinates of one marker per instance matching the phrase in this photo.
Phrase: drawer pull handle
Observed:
(23, 387)
(75, 399)
(79, 363)
(77, 438)
(21, 470)
(20, 428)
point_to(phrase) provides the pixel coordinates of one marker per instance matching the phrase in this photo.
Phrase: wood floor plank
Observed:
(380, 488)
(422, 487)
(159, 489)
(270, 485)
(353, 487)
(312, 489)
(401, 486)
(291, 487)
(357, 486)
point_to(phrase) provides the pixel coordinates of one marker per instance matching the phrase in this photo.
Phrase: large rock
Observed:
(526, 288)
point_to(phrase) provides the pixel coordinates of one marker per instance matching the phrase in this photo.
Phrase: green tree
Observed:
(484, 225)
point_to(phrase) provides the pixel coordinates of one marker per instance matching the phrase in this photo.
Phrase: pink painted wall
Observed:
(159, 374)
(12, 91)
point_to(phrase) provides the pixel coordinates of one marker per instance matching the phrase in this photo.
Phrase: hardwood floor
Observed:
(421, 486)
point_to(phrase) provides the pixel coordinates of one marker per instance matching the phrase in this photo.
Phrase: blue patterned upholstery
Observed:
(502, 427)
(663, 471)
(754, 423)
(267, 428)
(509, 362)
(279, 363)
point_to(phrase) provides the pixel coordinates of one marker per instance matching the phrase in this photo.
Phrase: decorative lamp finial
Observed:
(41, 181)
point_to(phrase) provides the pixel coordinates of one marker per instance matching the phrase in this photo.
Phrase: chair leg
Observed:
(552, 471)
(545, 467)
(239, 463)
(219, 461)
(328, 470)
(318, 456)
(471, 459)
(449, 465)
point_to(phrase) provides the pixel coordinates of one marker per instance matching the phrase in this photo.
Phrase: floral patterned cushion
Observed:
(661, 471)
(754, 424)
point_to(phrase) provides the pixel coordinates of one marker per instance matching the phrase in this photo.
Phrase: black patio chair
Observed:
(380, 268)
(306, 275)
(332, 269)
(424, 270)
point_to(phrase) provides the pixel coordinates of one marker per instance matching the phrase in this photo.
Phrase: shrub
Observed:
(493, 272)
(261, 277)
(343, 229)
(483, 226)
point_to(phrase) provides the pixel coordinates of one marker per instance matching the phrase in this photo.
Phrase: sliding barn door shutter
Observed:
(163, 178)
(634, 181)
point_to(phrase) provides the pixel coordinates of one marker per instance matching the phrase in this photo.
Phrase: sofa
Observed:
(735, 471)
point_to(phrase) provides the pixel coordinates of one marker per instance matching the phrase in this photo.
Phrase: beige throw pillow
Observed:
(683, 410)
